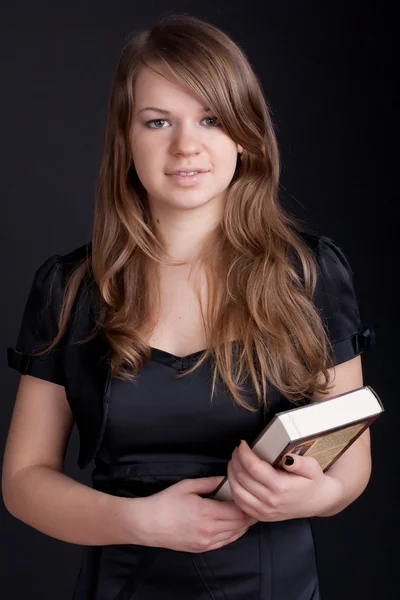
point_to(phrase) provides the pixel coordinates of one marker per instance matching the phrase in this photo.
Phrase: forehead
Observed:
(164, 91)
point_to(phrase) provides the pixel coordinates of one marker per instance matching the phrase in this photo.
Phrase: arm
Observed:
(303, 489)
(268, 494)
(352, 470)
(36, 491)
(67, 510)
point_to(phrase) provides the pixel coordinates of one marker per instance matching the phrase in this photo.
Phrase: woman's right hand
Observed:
(179, 519)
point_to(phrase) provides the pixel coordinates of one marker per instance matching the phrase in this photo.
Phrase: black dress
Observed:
(161, 430)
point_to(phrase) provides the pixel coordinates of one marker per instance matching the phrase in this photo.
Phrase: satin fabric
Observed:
(148, 437)
(161, 430)
(84, 368)
(271, 561)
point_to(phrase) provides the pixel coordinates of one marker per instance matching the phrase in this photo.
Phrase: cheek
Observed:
(225, 172)
(226, 157)
(143, 145)
(142, 151)
(151, 159)
(151, 178)
(148, 161)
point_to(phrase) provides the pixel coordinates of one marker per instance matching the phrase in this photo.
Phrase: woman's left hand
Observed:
(273, 494)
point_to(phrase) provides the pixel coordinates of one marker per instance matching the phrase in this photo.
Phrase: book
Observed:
(324, 429)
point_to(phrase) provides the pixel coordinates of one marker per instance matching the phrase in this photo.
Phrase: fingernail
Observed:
(289, 460)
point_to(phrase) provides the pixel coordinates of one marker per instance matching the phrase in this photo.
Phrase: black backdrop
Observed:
(328, 72)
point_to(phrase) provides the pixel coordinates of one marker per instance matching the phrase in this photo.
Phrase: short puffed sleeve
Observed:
(336, 299)
(39, 326)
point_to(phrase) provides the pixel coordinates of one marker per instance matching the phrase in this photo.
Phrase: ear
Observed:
(240, 148)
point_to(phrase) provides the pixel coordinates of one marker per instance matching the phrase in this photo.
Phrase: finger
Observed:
(240, 479)
(226, 510)
(306, 466)
(259, 470)
(232, 526)
(249, 494)
(225, 539)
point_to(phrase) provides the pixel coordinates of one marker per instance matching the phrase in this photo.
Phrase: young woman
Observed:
(197, 311)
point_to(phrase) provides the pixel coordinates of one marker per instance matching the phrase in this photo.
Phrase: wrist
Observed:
(332, 496)
(131, 523)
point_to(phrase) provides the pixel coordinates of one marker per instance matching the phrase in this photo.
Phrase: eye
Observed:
(155, 121)
(153, 124)
(214, 119)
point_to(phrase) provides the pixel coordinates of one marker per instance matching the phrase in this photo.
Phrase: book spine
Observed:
(269, 446)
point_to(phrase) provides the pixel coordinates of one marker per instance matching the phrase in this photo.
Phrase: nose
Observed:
(186, 140)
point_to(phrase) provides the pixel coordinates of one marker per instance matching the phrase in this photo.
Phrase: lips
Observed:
(187, 180)
(188, 170)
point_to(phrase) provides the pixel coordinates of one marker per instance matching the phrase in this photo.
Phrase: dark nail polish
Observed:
(289, 460)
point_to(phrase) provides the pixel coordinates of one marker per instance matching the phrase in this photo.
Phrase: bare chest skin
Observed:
(180, 329)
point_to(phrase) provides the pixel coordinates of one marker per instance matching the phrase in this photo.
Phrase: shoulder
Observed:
(331, 261)
(55, 269)
(322, 246)
(334, 287)
(74, 257)
(50, 277)
(64, 262)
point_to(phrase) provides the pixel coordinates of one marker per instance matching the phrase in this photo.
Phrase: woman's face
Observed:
(184, 138)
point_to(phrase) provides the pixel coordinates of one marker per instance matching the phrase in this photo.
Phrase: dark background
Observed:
(327, 69)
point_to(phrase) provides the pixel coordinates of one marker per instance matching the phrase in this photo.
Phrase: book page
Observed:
(325, 448)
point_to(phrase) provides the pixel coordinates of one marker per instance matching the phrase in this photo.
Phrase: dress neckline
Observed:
(179, 363)
(159, 351)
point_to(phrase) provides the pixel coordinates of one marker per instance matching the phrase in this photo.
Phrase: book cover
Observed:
(324, 430)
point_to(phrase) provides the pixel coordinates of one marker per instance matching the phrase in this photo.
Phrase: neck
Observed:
(183, 232)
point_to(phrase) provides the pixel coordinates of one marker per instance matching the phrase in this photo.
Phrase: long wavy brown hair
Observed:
(260, 273)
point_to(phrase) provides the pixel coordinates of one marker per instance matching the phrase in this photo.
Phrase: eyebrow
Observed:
(163, 111)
